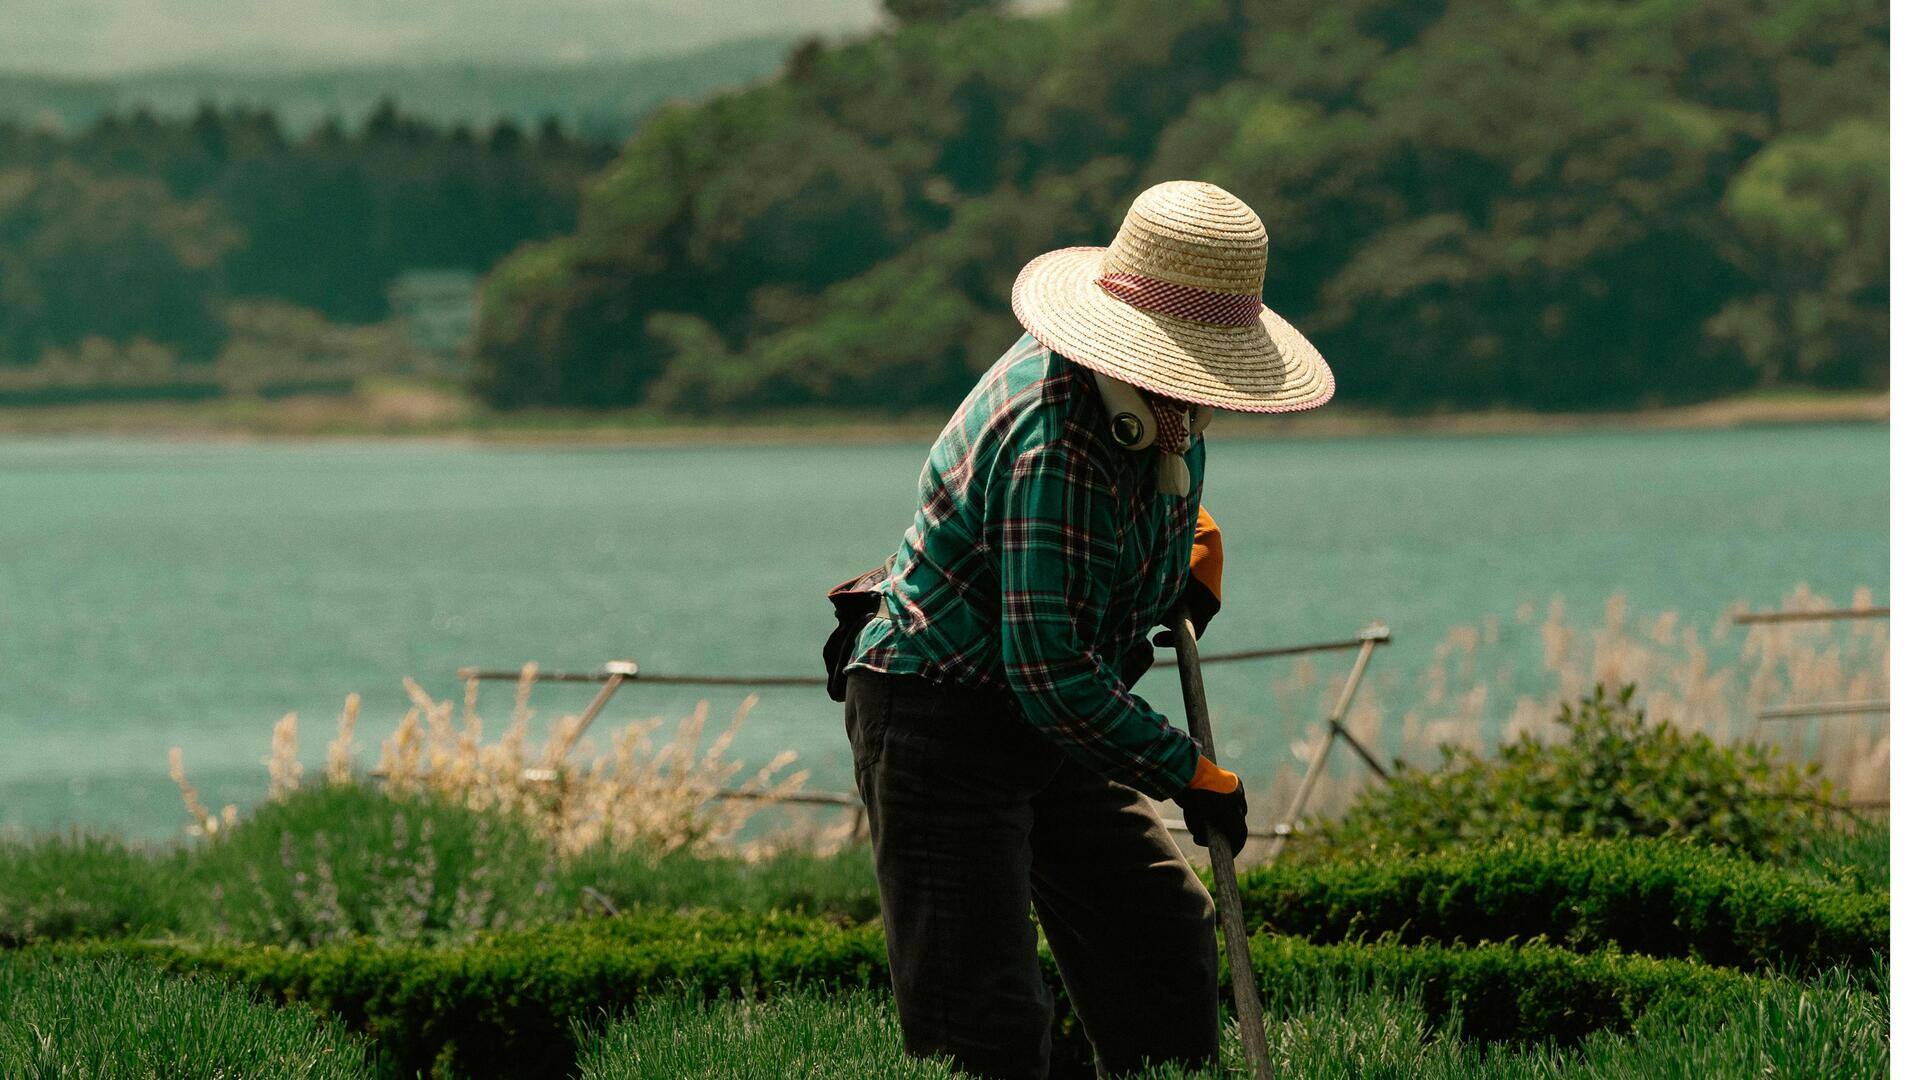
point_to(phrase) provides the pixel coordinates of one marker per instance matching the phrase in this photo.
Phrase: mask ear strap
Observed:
(1130, 422)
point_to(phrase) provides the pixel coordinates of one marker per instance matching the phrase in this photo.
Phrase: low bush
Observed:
(840, 884)
(1529, 993)
(325, 864)
(507, 1004)
(1615, 774)
(330, 863)
(348, 859)
(1656, 897)
(801, 1036)
(113, 1017)
(76, 885)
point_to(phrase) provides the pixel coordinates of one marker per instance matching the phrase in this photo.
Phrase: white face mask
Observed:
(1131, 425)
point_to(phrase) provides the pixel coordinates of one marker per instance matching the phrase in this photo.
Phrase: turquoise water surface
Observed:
(157, 594)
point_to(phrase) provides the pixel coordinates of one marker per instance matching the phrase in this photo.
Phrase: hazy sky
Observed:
(98, 37)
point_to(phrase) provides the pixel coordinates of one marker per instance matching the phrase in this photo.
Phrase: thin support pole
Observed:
(1824, 615)
(1336, 729)
(1360, 748)
(1828, 708)
(607, 689)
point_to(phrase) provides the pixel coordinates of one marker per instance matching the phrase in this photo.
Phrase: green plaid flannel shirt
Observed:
(1040, 555)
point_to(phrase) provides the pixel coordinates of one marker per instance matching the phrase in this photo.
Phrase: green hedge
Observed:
(1529, 993)
(1654, 897)
(504, 1006)
(507, 1005)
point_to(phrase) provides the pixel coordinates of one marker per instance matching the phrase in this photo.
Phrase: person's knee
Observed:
(1191, 901)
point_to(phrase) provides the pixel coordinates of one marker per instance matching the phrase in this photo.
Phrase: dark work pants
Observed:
(975, 816)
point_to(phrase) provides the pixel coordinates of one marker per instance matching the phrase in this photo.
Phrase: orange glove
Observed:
(1214, 799)
(1210, 777)
(1205, 565)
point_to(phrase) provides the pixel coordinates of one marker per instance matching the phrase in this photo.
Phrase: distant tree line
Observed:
(1540, 203)
(144, 228)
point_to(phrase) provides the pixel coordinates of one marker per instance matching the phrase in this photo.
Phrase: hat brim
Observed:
(1266, 368)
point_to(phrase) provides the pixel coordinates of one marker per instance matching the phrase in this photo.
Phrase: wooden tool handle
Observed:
(1226, 885)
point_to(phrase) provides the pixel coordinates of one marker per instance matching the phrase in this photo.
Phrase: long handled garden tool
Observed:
(1226, 886)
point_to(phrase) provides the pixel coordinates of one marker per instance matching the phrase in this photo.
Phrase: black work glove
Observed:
(1206, 811)
(1201, 604)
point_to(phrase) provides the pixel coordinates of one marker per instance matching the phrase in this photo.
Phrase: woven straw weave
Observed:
(1190, 234)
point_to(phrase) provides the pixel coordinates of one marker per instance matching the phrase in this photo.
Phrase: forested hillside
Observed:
(1543, 203)
(603, 98)
(144, 229)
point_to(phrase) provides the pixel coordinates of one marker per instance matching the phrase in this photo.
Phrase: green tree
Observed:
(1554, 204)
(84, 255)
(1811, 213)
(909, 11)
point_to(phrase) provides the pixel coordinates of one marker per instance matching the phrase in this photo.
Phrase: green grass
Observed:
(805, 1037)
(1861, 858)
(115, 1018)
(78, 886)
(1834, 1027)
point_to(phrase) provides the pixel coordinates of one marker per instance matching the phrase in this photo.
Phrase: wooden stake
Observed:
(1337, 729)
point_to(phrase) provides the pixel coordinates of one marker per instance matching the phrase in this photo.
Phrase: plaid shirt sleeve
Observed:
(1058, 552)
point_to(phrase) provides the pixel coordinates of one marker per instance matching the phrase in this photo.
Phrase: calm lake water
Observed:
(156, 594)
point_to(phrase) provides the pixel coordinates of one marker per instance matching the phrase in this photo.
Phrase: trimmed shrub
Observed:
(508, 1004)
(1529, 993)
(1614, 775)
(113, 1017)
(505, 1005)
(1655, 897)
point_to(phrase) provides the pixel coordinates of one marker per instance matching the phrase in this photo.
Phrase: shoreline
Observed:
(404, 414)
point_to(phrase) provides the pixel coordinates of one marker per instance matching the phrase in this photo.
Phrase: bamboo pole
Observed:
(1336, 729)
(1824, 615)
(629, 672)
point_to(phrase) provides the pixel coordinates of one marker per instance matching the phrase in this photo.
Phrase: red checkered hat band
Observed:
(1183, 301)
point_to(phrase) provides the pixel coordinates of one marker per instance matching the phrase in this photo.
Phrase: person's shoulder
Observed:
(1029, 393)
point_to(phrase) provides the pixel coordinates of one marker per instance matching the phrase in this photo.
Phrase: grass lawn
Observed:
(120, 1019)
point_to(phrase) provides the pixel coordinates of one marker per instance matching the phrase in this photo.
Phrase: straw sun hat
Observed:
(1173, 306)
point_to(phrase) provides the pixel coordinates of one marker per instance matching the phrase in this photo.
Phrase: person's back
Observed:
(1039, 559)
(1005, 763)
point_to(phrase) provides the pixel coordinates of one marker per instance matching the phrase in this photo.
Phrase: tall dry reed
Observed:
(683, 792)
(1714, 680)
(677, 794)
